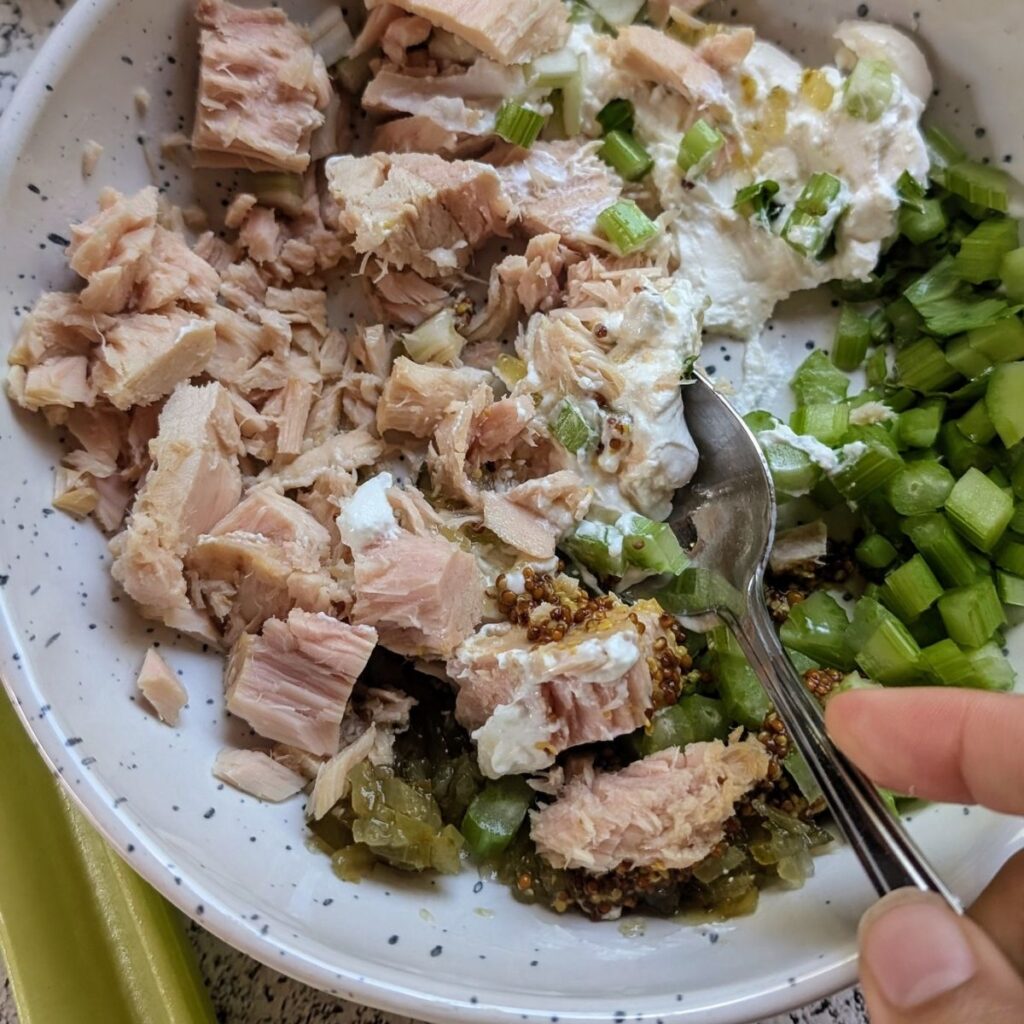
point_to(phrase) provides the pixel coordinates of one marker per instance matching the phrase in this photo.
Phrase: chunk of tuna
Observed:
(293, 681)
(146, 356)
(406, 298)
(559, 188)
(669, 809)
(416, 397)
(418, 210)
(59, 325)
(161, 688)
(402, 35)
(417, 134)
(447, 455)
(258, 774)
(532, 516)
(172, 272)
(724, 51)
(193, 483)
(261, 90)
(332, 776)
(514, 32)
(60, 381)
(527, 702)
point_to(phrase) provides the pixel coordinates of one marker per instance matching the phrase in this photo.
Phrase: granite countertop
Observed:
(244, 992)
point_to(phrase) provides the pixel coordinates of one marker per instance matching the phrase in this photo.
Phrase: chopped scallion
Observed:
(617, 115)
(757, 201)
(812, 223)
(626, 226)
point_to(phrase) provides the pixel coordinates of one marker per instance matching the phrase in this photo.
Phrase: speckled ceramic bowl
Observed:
(446, 950)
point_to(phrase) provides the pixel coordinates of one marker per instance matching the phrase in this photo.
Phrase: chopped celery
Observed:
(919, 428)
(881, 329)
(757, 200)
(947, 664)
(1009, 555)
(696, 590)
(991, 669)
(694, 719)
(800, 772)
(792, 470)
(911, 589)
(907, 323)
(598, 547)
(1004, 400)
(617, 115)
(923, 366)
(976, 424)
(626, 226)
(967, 360)
(946, 317)
(85, 939)
(928, 628)
(884, 648)
(884, 519)
(924, 223)
(650, 545)
(943, 149)
(496, 815)
(827, 423)
(865, 466)
(700, 145)
(617, 12)
(960, 453)
(1010, 588)
(742, 694)
(812, 222)
(876, 552)
(818, 381)
(818, 628)
(519, 125)
(853, 337)
(945, 552)
(972, 614)
(622, 152)
(877, 368)
(1001, 342)
(572, 99)
(920, 487)
(570, 428)
(1012, 274)
(869, 89)
(982, 251)
(941, 281)
(979, 183)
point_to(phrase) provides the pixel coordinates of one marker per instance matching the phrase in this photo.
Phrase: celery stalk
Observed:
(85, 939)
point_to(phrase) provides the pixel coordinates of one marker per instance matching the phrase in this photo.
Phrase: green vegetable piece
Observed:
(819, 381)
(876, 552)
(911, 589)
(853, 337)
(946, 317)
(877, 368)
(1004, 402)
(869, 90)
(812, 222)
(976, 424)
(1001, 342)
(1010, 588)
(694, 719)
(923, 367)
(919, 427)
(827, 423)
(496, 815)
(982, 252)
(743, 696)
(519, 125)
(650, 545)
(819, 628)
(924, 224)
(943, 148)
(510, 370)
(866, 466)
(793, 471)
(800, 772)
(991, 669)
(972, 614)
(980, 184)
(947, 664)
(597, 546)
(962, 454)
(967, 360)
(928, 628)
(979, 509)
(920, 487)
(622, 151)
(1012, 274)
(617, 115)
(696, 590)
(945, 552)
(570, 428)
(907, 323)
(757, 201)
(1009, 555)
(883, 646)
(626, 226)
(697, 152)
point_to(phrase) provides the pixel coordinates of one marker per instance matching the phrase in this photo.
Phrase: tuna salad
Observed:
(398, 431)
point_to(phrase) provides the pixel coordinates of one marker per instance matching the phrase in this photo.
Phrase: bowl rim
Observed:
(344, 978)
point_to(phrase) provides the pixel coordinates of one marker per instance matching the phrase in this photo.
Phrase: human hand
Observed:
(920, 963)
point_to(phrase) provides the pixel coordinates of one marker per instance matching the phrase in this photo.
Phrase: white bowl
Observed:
(445, 950)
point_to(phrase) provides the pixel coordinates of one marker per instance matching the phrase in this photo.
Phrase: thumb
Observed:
(922, 964)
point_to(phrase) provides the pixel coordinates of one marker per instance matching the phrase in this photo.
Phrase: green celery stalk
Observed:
(85, 939)
(1006, 385)
(875, 552)
(919, 427)
(979, 509)
(818, 628)
(694, 719)
(991, 669)
(972, 614)
(933, 535)
(968, 361)
(911, 589)
(921, 487)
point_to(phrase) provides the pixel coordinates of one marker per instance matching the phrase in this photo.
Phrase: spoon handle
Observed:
(888, 854)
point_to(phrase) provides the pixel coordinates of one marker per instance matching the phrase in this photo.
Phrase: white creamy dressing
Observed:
(367, 517)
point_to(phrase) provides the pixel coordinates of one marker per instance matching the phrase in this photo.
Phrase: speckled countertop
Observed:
(243, 991)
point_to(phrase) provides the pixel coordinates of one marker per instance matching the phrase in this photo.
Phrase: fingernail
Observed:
(915, 949)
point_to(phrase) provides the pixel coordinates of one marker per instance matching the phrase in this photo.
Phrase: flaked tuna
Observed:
(146, 356)
(559, 188)
(525, 702)
(416, 397)
(418, 210)
(332, 777)
(193, 483)
(261, 90)
(403, 34)
(514, 32)
(60, 381)
(668, 809)
(532, 516)
(293, 681)
(407, 298)
(416, 134)
(448, 453)
(162, 689)
(258, 774)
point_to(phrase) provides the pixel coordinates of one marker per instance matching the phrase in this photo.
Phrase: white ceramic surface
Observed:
(446, 950)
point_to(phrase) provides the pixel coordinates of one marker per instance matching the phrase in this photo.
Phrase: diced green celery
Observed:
(899, 401)
(824, 494)
(519, 125)
(496, 815)
(947, 664)
(694, 719)
(570, 428)
(1012, 274)
(1001, 342)
(982, 251)
(617, 115)
(1009, 555)
(877, 368)
(923, 366)
(991, 669)
(757, 201)
(961, 454)
(976, 424)
(867, 464)
(979, 509)
(626, 226)
(742, 694)
(979, 183)
(919, 427)
(1005, 404)
(818, 628)
(907, 323)
(920, 487)
(940, 281)
(800, 772)
(875, 552)
(943, 149)
(650, 545)
(869, 89)
(853, 337)
(972, 614)
(933, 535)
(700, 145)
(967, 360)
(827, 423)
(1010, 588)
(598, 547)
(876, 510)
(881, 329)
(911, 589)
(928, 628)
(813, 220)
(819, 381)
(696, 590)
(924, 223)
(792, 469)
(947, 317)
(884, 648)
(627, 156)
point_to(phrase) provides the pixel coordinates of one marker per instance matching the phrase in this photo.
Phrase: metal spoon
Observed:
(730, 507)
